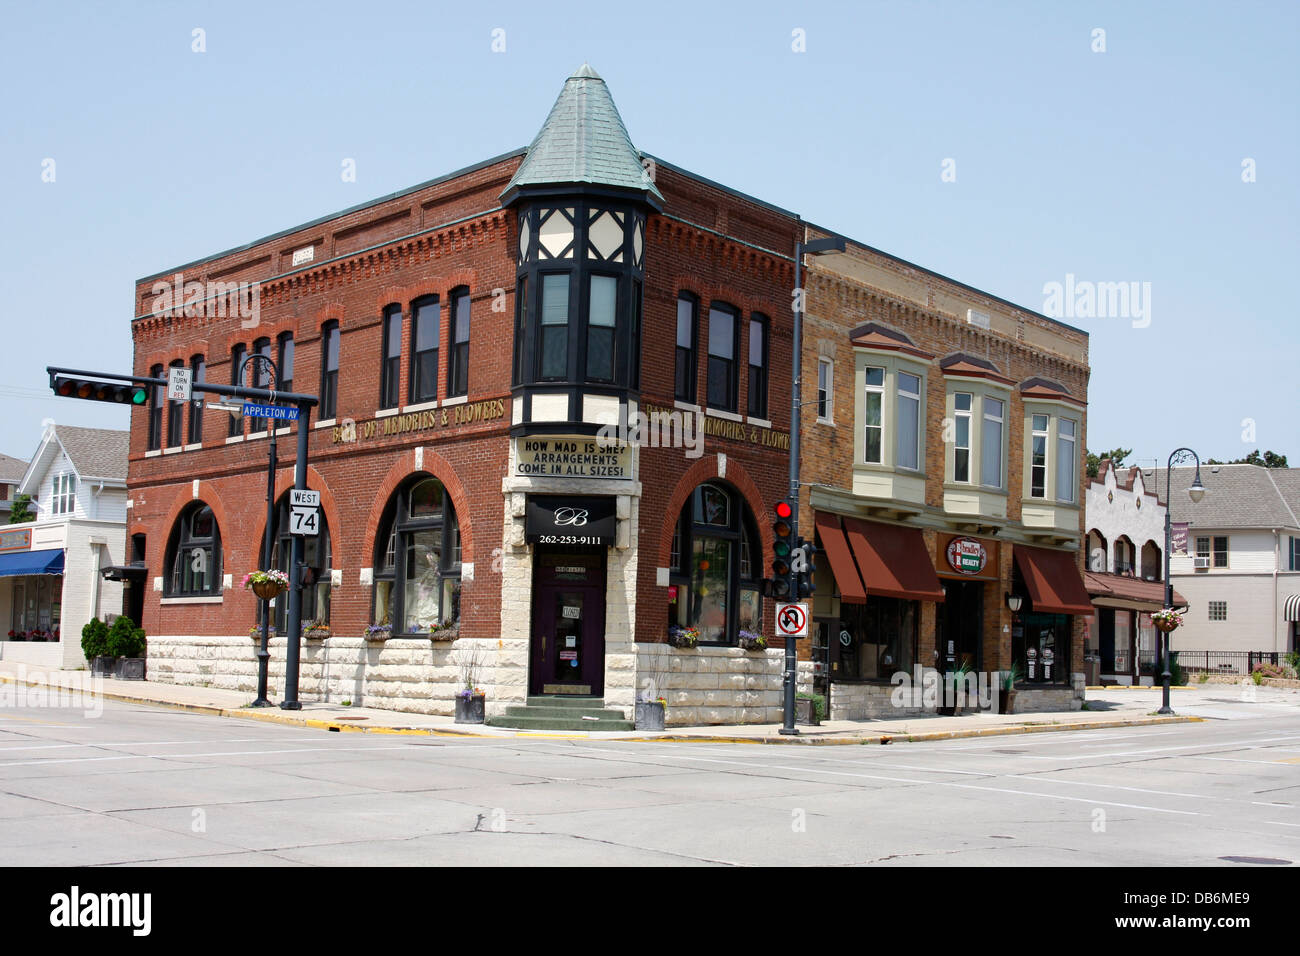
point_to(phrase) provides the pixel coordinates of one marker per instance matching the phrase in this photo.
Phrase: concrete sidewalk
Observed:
(1104, 714)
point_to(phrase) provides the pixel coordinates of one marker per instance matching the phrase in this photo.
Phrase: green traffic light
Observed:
(139, 396)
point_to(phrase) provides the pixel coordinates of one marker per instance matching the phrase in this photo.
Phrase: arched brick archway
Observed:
(706, 469)
(437, 466)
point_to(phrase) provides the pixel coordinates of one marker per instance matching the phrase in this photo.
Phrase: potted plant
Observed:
(1007, 692)
(956, 679)
(1167, 619)
(651, 713)
(379, 632)
(752, 640)
(255, 632)
(679, 636)
(315, 631)
(126, 642)
(448, 630)
(267, 584)
(94, 644)
(470, 701)
(809, 709)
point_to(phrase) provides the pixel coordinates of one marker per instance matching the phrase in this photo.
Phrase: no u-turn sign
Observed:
(792, 620)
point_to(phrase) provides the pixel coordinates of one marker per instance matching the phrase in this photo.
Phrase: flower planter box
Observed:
(470, 710)
(805, 712)
(753, 645)
(445, 634)
(649, 715)
(131, 668)
(103, 666)
(316, 635)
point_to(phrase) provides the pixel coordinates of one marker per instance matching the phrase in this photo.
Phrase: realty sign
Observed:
(966, 555)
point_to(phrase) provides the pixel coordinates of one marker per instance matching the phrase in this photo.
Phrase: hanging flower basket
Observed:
(1167, 620)
(683, 636)
(267, 584)
(379, 632)
(752, 641)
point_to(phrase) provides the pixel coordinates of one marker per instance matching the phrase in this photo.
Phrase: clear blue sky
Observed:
(1123, 165)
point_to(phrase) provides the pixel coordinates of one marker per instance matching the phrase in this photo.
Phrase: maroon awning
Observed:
(842, 566)
(893, 560)
(1054, 581)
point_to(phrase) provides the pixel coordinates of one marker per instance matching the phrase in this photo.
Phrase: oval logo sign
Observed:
(966, 555)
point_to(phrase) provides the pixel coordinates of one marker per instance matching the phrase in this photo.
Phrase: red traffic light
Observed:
(783, 509)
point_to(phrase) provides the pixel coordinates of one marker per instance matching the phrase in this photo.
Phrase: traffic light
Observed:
(781, 551)
(119, 393)
(805, 567)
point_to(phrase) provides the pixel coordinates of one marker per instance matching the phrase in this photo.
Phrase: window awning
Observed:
(1125, 592)
(1054, 581)
(1291, 607)
(31, 562)
(837, 549)
(893, 560)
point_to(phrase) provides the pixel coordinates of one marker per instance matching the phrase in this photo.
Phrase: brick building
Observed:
(476, 342)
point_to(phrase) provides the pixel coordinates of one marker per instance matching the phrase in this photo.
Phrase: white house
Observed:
(1125, 576)
(11, 473)
(1241, 567)
(50, 570)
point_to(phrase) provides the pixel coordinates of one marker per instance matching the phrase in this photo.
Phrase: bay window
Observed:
(555, 327)
(1038, 458)
(909, 421)
(991, 442)
(1051, 466)
(873, 435)
(962, 404)
(1066, 462)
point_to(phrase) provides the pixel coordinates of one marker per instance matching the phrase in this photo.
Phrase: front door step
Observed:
(562, 713)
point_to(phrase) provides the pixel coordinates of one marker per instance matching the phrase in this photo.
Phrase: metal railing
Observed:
(1241, 663)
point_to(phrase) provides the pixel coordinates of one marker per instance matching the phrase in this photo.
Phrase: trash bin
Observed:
(1092, 670)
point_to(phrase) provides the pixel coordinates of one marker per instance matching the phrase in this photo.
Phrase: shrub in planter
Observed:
(126, 641)
(94, 639)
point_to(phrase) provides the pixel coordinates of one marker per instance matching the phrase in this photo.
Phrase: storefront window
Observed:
(37, 604)
(417, 562)
(876, 639)
(714, 585)
(1040, 643)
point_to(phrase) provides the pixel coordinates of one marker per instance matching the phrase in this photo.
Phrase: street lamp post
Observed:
(264, 649)
(1196, 492)
(818, 247)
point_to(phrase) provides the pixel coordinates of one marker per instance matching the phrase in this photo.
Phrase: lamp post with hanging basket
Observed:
(1168, 619)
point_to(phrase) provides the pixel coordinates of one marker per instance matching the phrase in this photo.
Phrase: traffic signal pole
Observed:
(796, 366)
(305, 403)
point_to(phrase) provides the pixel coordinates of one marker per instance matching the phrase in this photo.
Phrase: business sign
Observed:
(279, 413)
(966, 556)
(570, 519)
(1178, 533)
(16, 540)
(571, 458)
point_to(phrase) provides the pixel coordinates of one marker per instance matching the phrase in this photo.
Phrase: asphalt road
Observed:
(145, 785)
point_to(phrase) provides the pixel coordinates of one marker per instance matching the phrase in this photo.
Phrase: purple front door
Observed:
(568, 629)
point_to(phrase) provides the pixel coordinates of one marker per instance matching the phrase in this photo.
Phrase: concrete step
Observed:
(564, 713)
(558, 723)
(565, 701)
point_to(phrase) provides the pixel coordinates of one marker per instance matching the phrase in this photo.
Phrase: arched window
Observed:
(716, 568)
(1098, 552)
(194, 554)
(317, 558)
(417, 560)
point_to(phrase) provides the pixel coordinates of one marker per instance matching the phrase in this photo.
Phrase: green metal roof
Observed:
(583, 141)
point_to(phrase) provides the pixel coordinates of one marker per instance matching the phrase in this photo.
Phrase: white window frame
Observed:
(1055, 413)
(919, 397)
(65, 494)
(1072, 456)
(892, 365)
(1035, 433)
(985, 418)
(958, 415)
(880, 390)
(826, 392)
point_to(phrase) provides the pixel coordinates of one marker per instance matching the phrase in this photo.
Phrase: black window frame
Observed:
(284, 360)
(398, 528)
(540, 370)
(758, 380)
(612, 331)
(198, 374)
(390, 357)
(740, 530)
(175, 415)
(183, 539)
(729, 368)
(329, 377)
(458, 356)
(154, 437)
(424, 387)
(238, 352)
(685, 367)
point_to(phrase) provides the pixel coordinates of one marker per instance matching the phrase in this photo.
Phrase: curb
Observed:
(336, 726)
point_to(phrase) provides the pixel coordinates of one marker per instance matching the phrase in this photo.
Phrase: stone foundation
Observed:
(712, 685)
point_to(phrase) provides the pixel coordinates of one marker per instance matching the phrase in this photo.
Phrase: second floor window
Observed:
(286, 362)
(237, 353)
(909, 421)
(758, 367)
(722, 358)
(329, 371)
(175, 417)
(825, 397)
(65, 494)
(199, 369)
(155, 410)
(873, 438)
(687, 310)
(991, 443)
(425, 332)
(1038, 458)
(391, 369)
(1065, 460)
(555, 327)
(458, 367)
(962, 403)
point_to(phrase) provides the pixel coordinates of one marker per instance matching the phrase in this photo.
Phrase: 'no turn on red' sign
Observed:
(792, 620)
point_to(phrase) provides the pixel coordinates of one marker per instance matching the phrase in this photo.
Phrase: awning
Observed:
(1132, 593)
(124, 572)
(842, 566)
(1053, 579)
(893, 561)
(1291, 608)
(31, 562)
